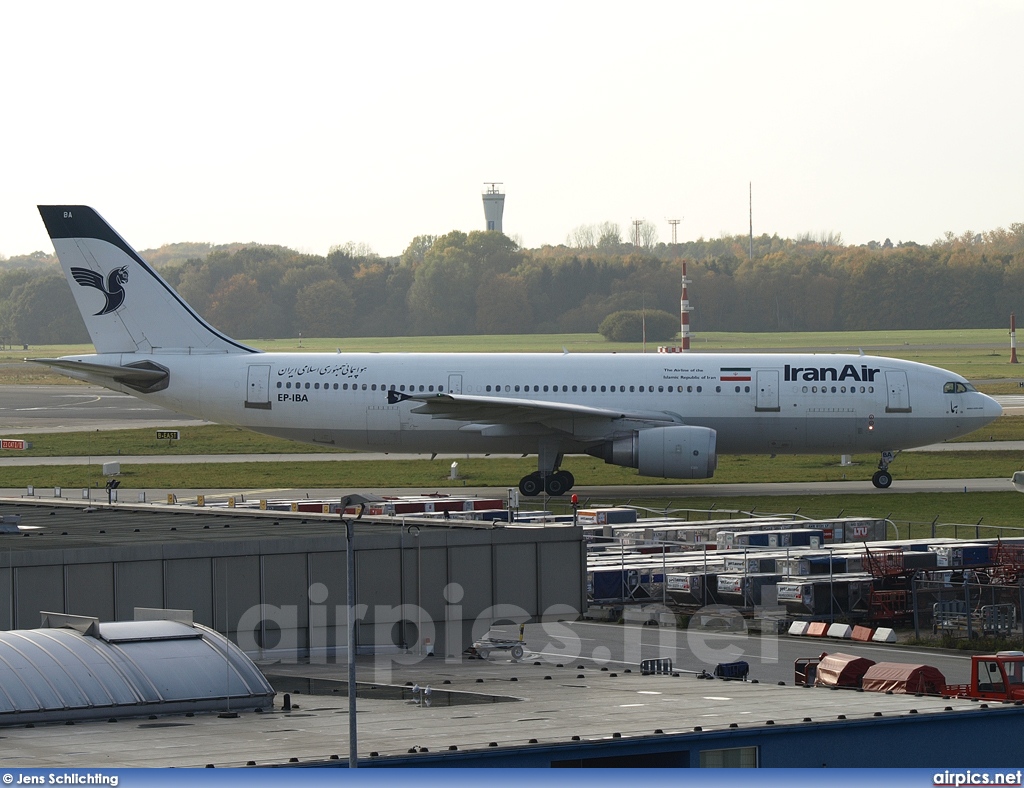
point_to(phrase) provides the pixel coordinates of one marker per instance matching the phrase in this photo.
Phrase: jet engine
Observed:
(677, 452)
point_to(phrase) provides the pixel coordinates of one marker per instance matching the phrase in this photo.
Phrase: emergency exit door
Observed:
(257, 392)
(898, 396)
(767, 390)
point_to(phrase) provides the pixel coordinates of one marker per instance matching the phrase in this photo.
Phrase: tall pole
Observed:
(750, 188)
(1013, 338)
(684, 314)
(643, 322)
(350, 600)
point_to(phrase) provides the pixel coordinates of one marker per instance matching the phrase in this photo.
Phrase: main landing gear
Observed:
(554, 483)
(548, 478)
(881, 478)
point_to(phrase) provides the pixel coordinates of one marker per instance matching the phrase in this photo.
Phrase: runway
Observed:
(39, 409)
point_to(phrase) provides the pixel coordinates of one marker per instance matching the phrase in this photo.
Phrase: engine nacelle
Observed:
(678, 452)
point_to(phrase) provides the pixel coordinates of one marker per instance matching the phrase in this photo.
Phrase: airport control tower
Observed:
(494, 206)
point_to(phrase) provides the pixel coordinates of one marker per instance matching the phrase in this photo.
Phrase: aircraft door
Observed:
(767, 390)
(455, 384)
(898, 396)
(257, 392)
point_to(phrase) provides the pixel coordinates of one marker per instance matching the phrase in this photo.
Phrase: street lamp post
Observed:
(350, 624)
(350, 601)
(415, 531)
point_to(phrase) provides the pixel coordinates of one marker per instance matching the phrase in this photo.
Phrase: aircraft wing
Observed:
(509, 410)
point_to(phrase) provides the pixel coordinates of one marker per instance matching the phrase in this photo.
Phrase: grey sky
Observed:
(313, 124)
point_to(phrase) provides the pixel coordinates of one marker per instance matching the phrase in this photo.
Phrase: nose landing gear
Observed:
(881, 478)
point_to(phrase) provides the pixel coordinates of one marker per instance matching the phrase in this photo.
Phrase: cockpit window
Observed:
(957, 388)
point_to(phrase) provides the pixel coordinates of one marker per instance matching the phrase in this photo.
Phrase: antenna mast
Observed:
(636, 232)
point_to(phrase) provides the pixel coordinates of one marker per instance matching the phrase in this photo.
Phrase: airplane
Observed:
(667, 415)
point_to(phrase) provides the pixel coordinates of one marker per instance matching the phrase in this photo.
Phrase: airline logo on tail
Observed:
(112, 290)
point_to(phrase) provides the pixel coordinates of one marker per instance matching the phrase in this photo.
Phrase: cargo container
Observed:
(912, 559)
(973, 554)
(705, 531)
(796, 565)
(750, 563)
(485, 515)
(428, 504)
(606, 516)
(852, 529)
(636, 582)
(693, 588)
(745, 590)
(796, 537)
(820, 594)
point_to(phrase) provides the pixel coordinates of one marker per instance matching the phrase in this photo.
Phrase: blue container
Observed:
(804, 536)
(819, 564)
(732, 670)
(975, 555)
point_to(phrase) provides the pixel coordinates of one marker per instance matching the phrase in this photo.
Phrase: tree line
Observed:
(483, 283)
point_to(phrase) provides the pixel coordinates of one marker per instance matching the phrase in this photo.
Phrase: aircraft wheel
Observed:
(882, 480)
(556, 484)
(531, 485)
(570, 480)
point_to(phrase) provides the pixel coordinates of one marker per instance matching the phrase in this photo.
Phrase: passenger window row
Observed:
(356, 387)
(509, 388)
(948, 388)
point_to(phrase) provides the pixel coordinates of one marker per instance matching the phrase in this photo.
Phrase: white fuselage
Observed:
(757, 403)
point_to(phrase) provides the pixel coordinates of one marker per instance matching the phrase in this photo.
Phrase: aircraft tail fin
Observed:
(126, 304)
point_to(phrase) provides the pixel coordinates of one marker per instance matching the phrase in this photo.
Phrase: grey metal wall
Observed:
(278, 595)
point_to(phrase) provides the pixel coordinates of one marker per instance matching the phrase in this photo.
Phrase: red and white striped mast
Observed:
(684, 314)
(1013, 338)
(684, 320)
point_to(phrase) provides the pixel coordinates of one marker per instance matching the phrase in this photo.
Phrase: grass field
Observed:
(501, 472)
(217, 439)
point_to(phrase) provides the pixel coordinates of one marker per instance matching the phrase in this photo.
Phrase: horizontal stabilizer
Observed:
(143, 376)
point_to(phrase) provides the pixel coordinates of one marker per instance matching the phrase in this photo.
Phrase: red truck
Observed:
(998, 676)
